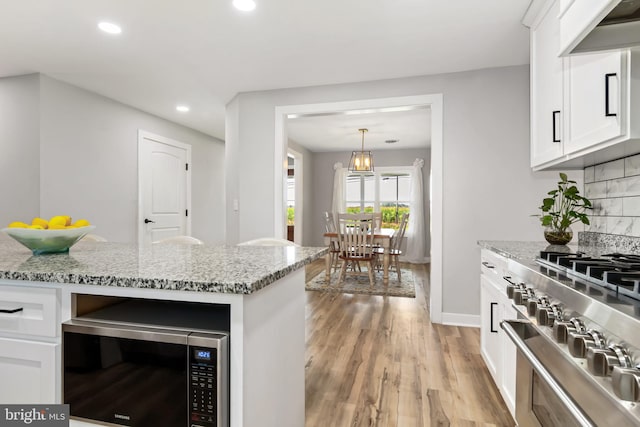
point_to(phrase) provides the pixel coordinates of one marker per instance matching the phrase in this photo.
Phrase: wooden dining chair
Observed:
(395, 247)
(334, 250)
(355, 238)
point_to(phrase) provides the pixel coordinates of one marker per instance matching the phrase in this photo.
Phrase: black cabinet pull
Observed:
(492, 329)
(607, 111)
(555, 114)
(508, 279)
(11, 310)
(486, 264)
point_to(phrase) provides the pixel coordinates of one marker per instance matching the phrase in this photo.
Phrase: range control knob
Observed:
(512, 287)
(562, 328)
(580, 343)
(547, 315)
(534, 304)
(626, 383)
(601, 361)
(521, 296)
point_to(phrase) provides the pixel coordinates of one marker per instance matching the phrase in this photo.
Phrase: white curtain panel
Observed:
(339, 205)
(416, 233)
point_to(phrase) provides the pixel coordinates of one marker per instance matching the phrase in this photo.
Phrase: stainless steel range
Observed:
(578, 336)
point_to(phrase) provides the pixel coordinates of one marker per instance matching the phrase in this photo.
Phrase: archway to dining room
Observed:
(432, 103)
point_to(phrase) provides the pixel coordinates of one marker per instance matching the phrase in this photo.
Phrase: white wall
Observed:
(87, 146)
(489, 191)
(19, 149)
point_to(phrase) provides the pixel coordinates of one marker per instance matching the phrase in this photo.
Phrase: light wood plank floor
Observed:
(379, 361)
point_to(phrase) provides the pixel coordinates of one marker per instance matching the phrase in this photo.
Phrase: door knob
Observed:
(147, 221)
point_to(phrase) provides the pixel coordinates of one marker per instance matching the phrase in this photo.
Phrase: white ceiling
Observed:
(203, 52)
(339, 132)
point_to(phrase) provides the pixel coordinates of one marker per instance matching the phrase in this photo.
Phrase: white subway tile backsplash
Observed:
(614, 190)
(608, 207)
(631, 165)
(619, 225)
(609, 170)
(623, 187)
(631, 206)
(589, 174)
(597, 224)
(595, 190)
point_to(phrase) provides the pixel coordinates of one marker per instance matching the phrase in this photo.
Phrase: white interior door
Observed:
(164, 188)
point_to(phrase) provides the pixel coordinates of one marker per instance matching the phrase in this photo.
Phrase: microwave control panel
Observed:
(203, 387)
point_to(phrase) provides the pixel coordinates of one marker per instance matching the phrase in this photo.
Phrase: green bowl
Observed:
(48, 241)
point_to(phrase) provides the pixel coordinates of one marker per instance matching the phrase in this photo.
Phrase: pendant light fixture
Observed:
(361, 161)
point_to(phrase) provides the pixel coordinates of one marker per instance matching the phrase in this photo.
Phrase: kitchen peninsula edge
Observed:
(263, 287)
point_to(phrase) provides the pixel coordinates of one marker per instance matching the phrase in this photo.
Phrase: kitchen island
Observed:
(263, 288)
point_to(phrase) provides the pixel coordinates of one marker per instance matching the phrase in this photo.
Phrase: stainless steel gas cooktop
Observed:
(618, 272)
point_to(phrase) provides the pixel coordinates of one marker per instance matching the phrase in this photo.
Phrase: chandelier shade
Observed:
(361, 161)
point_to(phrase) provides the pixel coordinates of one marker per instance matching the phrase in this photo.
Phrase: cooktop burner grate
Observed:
(619, 272)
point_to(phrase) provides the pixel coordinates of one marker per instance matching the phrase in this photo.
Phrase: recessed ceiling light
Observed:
(244, 5)
(182, 108)
(109, 27)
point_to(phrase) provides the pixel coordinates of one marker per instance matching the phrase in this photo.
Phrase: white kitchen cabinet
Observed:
(29, 344)
(498, 351)
(581, 105)
(489, 335)
(30, 368)
(595, 97)
(546, 87)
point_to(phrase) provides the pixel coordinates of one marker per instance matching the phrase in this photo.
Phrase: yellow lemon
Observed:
(57, 221)
(67, 218)
(54, 226)
(18, 224)
(36, 227)
(71, 226)
(41, 222)
(81, 223)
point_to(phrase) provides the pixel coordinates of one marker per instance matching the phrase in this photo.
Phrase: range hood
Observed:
(619, 28)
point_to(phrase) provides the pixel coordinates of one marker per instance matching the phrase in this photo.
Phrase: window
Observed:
(386, 191)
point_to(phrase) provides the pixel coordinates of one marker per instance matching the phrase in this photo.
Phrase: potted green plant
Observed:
(563, 207)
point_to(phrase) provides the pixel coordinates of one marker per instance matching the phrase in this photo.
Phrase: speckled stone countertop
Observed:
(523, 251)
(201, 268)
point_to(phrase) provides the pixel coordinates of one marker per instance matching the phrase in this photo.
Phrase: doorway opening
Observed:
(435, 103)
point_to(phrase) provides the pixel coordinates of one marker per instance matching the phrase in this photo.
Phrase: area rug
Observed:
(360, 284)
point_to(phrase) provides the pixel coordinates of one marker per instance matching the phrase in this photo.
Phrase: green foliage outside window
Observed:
(290, 215)
(389, 219)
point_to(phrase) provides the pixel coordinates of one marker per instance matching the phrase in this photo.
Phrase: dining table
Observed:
(381, 237)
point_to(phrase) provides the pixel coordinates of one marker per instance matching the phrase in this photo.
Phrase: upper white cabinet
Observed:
(581, 105)
(546, 87)
(595, 99)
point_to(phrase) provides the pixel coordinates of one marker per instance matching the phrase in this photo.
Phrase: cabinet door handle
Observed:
(508, 279)
(555, 121)
(11, 310)
(486, 264)
(491, 328)
(607, 111)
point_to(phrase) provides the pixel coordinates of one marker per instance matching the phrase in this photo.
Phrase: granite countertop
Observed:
(200, 268)
(524, 251)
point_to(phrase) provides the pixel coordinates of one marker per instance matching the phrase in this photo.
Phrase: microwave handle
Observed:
(562, 396)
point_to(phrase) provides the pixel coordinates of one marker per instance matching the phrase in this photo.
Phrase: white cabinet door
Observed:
(509, 353)
(594, 99)
(28, 371)
(490, 323)
(546, 88)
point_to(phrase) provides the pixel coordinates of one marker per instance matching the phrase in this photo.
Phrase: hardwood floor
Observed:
(378, 361)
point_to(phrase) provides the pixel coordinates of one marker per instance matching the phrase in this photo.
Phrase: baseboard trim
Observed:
(457, 319)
